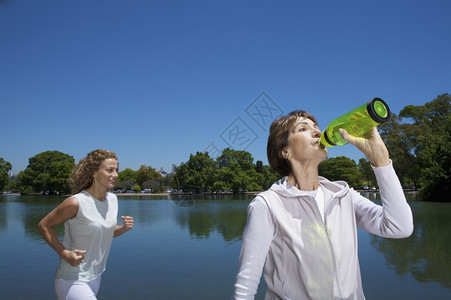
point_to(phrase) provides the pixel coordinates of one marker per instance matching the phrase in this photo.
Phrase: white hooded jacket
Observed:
(306, 257)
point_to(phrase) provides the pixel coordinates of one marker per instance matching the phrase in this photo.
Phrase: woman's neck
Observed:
(97, 192)
(304, 177)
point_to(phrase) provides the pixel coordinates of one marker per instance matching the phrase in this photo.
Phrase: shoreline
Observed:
(202, 194)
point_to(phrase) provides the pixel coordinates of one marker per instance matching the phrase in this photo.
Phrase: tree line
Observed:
(49, 172)
(418, 139)
(233, 171)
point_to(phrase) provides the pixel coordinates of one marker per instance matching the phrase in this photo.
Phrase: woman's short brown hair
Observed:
(83, 174)
(278, 140)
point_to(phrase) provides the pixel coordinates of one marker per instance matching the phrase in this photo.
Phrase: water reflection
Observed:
(204, 217)
(145, 212)
(32, 209)
(184, 200)
(425, 255)
(3, 217)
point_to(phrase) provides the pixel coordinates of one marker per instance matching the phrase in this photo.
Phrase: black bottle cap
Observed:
(378, 110)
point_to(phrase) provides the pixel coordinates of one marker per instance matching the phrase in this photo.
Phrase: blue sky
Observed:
(155, 81)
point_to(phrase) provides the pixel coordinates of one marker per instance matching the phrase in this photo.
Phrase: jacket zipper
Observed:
(336, 275)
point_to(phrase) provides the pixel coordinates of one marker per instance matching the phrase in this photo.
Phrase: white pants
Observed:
(77, 290)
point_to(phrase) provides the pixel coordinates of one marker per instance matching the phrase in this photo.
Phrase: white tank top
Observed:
(92, 229)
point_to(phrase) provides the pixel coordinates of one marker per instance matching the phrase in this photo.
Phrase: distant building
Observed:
(163, 172)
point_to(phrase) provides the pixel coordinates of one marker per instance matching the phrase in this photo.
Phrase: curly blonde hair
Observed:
(83, 173)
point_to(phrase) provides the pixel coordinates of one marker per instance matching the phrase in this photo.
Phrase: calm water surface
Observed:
(186, 248)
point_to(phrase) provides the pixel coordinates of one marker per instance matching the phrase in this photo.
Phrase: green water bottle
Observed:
(356, 122)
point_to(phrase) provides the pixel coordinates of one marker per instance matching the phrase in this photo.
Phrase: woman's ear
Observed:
(285, 153)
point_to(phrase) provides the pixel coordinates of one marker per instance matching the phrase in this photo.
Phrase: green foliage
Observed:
(5, 167)
(233, 171)
(154, 185)
(136, 188)
(145, 178)
(341, 168)
(269, 177)
(421, 147)
(419, 142)
(239, 171)
(401, 141)
(367, 173)
(127, 174)
(145, 174)
(126, 179)
(47, 172)
(196, 175)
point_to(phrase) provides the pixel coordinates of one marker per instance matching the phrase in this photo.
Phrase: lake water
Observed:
(186, 248)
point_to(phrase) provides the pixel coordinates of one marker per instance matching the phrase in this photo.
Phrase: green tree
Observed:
(430, 132)
(237, 170)
(270, 176)
(223, 179)
(259, 166)
(136, 188)
(341, 168)
(146, 173)
(366, 171)
(5, 167)
(401, 141)
(154, 185)
(47, 172)
(126, 179)
(196, 175)
(127, 174)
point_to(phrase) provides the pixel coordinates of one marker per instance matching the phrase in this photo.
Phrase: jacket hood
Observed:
(284, 189)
